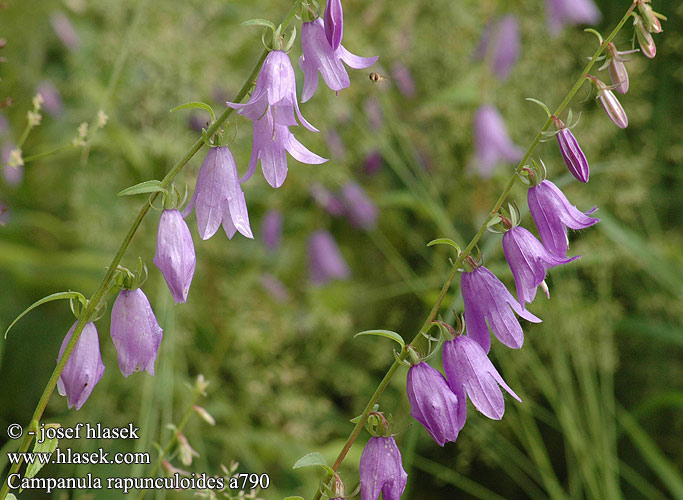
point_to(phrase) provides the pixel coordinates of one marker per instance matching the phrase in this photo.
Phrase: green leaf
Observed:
(45, 300)
(196, 105)
(12, 497)
(384, 333)
(152, 186)
(444, 241)
(259, 22)
(311, 460)
(47, 446)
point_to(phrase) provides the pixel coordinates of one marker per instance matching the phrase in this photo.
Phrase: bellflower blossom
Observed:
(529, 261)
(571, 152)
(327, 200)
(175, 255)
(84, 368)
(373, 162)
(381, 470)
(271, 108)
(218, 196)
(360, 209)
(326, 261)
(434, 404)
(491, 140)
(487, 300)
(135, 332)
(65, 31)
(271, 230)
(553, 214)
(563, 12)
(334, 23)
(506, 48)
(469, 370)
(319, 56)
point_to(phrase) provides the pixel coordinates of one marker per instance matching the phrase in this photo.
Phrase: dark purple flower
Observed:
(469, 370)
(571, 152)
(52, 99)
(272, 109)
(403, 79)
(135, 332)
(441, 410)
(65, 31)
(563, 12)
(491, 140)
(609, 103)
(84, 368)
(334, 23)
(529, 261)
(360, 209)
(218, 196)
(175, 256)
(318, 56)
(373, 162)
(325, 260)
(271, 230)
(381, 470)
(327, 200)
(553, 214)
(487, 300)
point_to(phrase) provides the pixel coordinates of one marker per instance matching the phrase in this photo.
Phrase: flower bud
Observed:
(334, 23)
(135, 332)
(645, 40)
(381, 470)
(571, 152)
(617, 69)
(175, 255)
(650, 17)
(609, 103)
(84, 368)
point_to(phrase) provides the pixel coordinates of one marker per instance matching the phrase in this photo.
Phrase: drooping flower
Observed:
(175, 255)
(434, 404)
(487, 300)
(84, 368)
(319, 56)
(135, 332)
(501, 38)
(381, 470)
(609, 103)
(529, 260)
(65, 31)
(491, 141)
(571, 152)
(469, 370)
(563, 12)
(325, 260)
(360, 209)
(271, 230)
(403, 79)
(327, 200)
(218, 196)
(271, 108)
(553, 214)
(334, 23)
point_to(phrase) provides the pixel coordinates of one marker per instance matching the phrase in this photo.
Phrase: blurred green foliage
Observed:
(600, 378)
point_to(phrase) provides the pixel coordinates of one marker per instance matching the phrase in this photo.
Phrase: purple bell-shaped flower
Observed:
(84, 368)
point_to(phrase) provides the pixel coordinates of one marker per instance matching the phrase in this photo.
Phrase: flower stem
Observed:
(468, 249)
(94, 300)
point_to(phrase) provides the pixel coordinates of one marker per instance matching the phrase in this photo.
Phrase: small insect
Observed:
(376, 78)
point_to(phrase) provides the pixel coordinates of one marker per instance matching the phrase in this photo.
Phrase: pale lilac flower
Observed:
(175, 255)
(52, 99)
(334, 23)
(325, 260)
(529, 261)
(553, 214)
(84, 368)
(272, 107)
(135, 332)
(609, 103)
(501, 39)
(218, 196)
(65, 31)
(571, 152)
(403, 79)
(360, 209)
(434, 404)
(327, 200)
(469, 370)
(492, 142)
(564, 12)
(487, 300)
(373, 162)
(381, 470)
(374, 113)
(318, 56)
(271, 230)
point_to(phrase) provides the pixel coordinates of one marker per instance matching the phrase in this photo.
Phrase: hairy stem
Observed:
(468, 249)
(94, 300)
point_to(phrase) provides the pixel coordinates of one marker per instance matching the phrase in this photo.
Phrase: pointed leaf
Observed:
(444, 241)
(259, 22)
(45, 300)
(384, 333)
(152, 186)
(196, 105)
(47, 446)
(313, 459)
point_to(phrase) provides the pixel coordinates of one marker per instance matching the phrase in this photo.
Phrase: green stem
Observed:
(103, 286)
(459, 261)
(48, 153)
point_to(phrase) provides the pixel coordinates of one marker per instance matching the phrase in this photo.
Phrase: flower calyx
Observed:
(131, 280)
(650, 17)
(310, 11)
(505, 220)
(378, 425)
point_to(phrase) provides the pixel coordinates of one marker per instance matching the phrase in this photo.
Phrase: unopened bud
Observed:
(185, 451)
(647, 44)
(610, 104)
(617, 69)
(206, 416)
(650, 17)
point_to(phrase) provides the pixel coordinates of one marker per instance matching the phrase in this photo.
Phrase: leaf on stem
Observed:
(152, 186)
(196, 105)
(311, 460)
(384, 333)
(45, 300)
